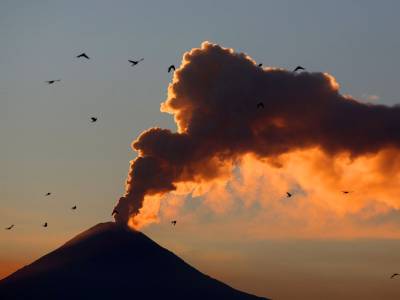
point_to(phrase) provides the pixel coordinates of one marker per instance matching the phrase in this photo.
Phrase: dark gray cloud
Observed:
(214, 96)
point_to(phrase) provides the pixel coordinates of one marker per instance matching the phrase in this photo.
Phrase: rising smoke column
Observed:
(213, 98)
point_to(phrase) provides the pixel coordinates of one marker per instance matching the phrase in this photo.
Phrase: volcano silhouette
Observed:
(109, 261)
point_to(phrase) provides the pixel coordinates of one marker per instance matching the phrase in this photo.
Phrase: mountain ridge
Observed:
(109, 260)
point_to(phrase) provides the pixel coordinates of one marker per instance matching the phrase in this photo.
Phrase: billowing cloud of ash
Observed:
(213, 98)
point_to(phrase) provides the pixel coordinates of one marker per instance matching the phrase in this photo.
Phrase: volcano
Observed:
(109, 261)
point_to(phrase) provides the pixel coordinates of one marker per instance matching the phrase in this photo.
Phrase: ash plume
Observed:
(213, 98)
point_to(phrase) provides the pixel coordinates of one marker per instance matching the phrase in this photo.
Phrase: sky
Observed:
(49, 145)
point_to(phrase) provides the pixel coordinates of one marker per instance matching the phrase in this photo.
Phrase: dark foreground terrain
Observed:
(111, 262)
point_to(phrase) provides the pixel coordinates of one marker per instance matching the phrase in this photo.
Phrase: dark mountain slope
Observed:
(111, 262)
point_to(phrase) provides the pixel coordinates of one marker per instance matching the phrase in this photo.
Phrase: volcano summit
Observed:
(109, 261)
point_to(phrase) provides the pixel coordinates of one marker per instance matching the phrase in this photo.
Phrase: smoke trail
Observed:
(213, 98)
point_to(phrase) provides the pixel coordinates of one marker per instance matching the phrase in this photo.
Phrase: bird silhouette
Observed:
(170, 68)
(288, 194)
(135, 62)
(173, 222)
(93, 119)
(299, 68)
(73, 207)
(260, 65)
(260, 105)
(52, 81)
(346, 192)
(394, 275)
(83, 55)
(9, 227)
(47, 194)
(114, 212)
(45, 224)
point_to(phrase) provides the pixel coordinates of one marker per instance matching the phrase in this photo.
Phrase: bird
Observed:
(346, 192)
(394, 275)
(47, 194)
(299, 68)
(288, 194)
(135, 62)
(173, 222)
(10, 227)
(45, 224)
(260, 65)
(170, 68)
(83, 55)
(114, 212)
(73, 207)
(52, 81)
(260, 105)
(93, 119)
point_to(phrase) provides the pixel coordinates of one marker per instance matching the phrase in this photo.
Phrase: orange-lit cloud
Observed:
(307, 136)
(317, 209)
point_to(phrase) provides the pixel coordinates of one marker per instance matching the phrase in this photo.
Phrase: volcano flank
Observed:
(109, 261)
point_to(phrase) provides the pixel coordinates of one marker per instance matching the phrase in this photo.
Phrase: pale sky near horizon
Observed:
(49, 144)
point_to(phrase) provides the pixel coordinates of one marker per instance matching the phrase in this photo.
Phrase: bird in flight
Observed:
(52, 81)
(288, 194)
(47, 194)
(170, 68)
(45, 224)
(114, 212)
(73, 207)
(260, 65)
(299, 68)
(135, 62)
(93, 119)
(260, 105)
(83, 55)
(173, 222)
(10, 227)
(394, 275)
(346, 192)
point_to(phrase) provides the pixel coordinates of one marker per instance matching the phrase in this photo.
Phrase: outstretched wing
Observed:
(298, 68)
(83, 55)
(172, 67)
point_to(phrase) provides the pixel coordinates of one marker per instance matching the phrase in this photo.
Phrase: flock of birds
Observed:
(83, 55)
(45, 224)
(171, 68)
